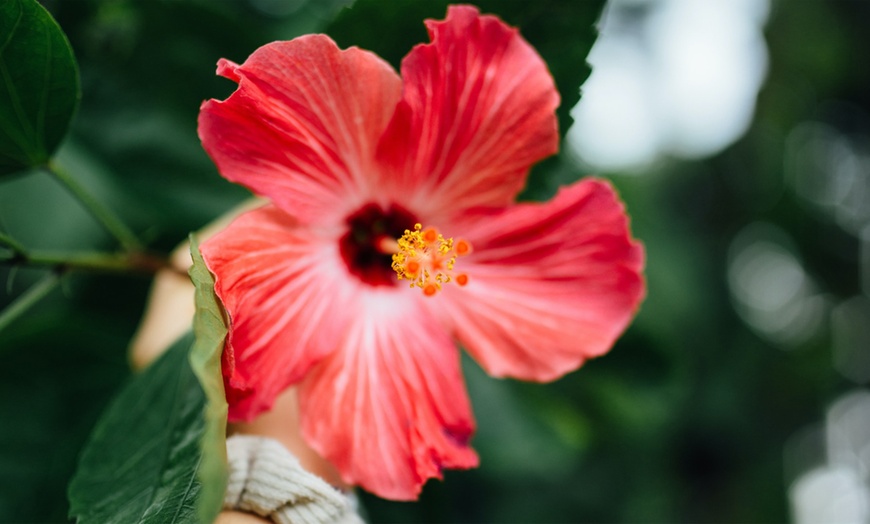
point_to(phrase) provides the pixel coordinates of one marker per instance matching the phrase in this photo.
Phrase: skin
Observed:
(169, 315)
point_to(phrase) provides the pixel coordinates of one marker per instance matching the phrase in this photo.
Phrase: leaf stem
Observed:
(124, 262)
(10, 243)
(30, 297)
(104, 215)
(132, 262)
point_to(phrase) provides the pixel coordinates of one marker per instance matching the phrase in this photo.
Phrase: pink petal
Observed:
(477, 110)
(271, 275)
(389, 408)
(551, 284)
(302, 127)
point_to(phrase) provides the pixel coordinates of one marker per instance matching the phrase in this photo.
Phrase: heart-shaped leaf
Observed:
(39, 85)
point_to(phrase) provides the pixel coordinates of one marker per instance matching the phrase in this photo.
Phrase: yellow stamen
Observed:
(426, 259)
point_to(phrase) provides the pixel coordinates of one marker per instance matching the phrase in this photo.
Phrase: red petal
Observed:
(550, 284)
(302, 127)
(477, 110)
(271, 275)
(389, 408)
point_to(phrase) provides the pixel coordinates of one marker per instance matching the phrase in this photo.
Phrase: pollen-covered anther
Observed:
(426, 259)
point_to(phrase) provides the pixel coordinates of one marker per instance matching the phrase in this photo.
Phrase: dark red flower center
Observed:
(360, 246)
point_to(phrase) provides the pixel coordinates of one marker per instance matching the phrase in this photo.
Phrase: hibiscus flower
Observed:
(392, 234)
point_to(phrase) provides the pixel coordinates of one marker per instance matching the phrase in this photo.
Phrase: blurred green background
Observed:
(758, 264)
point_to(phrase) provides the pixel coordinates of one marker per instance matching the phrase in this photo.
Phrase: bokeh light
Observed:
(837, 490)
(830, 170)
(672, 77)
(770, 288)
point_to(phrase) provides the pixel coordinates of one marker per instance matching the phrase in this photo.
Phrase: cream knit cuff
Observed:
(266, 479)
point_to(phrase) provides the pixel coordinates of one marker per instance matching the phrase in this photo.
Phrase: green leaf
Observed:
(210, 329)
(141, 462)
(39, 85)
(159, 452)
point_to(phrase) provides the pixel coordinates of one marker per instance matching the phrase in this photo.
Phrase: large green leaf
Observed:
(141, 462)
(39, 85)
(158, 455)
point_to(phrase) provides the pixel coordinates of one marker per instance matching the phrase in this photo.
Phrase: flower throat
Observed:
(382, 247)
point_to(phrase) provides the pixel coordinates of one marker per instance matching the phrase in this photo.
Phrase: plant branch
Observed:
(133, 262)
(125, 262)
(30, 297)
(11, 244)
(104, 215)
